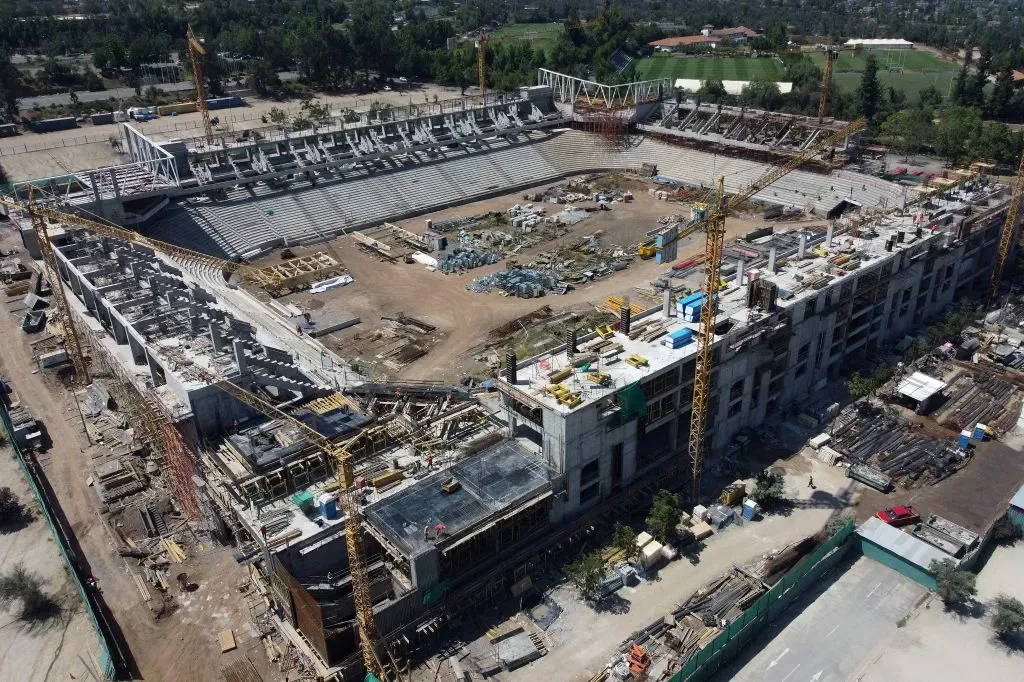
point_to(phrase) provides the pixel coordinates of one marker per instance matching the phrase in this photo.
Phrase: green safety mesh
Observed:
(370, 677)
(632, 401)
(436, 593)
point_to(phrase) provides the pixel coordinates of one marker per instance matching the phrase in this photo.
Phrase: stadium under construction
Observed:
(461, 491)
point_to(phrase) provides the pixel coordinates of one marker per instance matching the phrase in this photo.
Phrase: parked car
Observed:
(899, 515)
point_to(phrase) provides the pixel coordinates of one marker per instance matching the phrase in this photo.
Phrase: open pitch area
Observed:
(540, 36)
(711, 68)
(911, 70)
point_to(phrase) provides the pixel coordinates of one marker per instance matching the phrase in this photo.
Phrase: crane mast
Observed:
(1006, 237)
(831, 55)
(196, 53)
(714, 244)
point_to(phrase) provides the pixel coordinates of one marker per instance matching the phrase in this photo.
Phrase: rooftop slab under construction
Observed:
(489, 482)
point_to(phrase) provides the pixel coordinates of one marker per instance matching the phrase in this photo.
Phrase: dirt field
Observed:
(71, 155)
(159, 647)
(50, 649)
(465, 319)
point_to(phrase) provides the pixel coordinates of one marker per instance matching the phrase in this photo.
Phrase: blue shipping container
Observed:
(223, 103)
(101, 119)
(51, 124)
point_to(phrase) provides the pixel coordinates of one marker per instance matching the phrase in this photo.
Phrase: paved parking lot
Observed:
(831, 632)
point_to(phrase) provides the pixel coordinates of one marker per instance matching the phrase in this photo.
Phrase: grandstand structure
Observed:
(244, 195)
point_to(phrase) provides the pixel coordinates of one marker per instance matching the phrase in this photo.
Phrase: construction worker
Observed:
(426, 532)
(810, 482)
(430, 462)
(439, 529)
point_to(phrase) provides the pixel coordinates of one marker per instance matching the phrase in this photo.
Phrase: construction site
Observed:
(321, 349)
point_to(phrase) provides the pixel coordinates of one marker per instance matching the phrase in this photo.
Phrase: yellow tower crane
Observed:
(831, 55)
(713, 246)
(72, 345)
(342, 453)
(481, 61)
(196, 54)
(1009, 228)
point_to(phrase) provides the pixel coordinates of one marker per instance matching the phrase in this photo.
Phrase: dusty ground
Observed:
(465, 319)
(923, 650)
(50, 649)
(581, 641)
(70, 154)
(159, 647)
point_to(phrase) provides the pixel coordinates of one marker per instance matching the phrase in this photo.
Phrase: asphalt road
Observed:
(829, 634)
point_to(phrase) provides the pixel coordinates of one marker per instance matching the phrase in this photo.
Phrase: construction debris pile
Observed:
(879, 437)
(989, 400)
(579, 262)
(659, 650)
(458, 259)
(398, 340)
(601, 188)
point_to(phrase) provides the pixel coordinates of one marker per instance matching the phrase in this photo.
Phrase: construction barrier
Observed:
(730, 641)
(112, 661)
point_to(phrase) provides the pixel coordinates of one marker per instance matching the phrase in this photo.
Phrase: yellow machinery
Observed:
(342, 454)
(600, 378)
(197, 53)
(1009, 227)
(713, 247)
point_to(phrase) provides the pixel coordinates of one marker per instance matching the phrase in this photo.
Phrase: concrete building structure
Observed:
(797, 310)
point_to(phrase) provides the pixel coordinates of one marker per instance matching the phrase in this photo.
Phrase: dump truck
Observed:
(870, 476)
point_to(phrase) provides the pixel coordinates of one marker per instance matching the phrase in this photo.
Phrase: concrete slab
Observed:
(831, 631)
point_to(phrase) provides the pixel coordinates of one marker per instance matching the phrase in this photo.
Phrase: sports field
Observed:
(540, 36)
(711, 68)
(919, 69)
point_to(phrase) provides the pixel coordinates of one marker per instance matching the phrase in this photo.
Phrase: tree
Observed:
(1005, 531)
(11, 508)
(624, 540)
(768, 489)
(761, 95)
(858, 386)
(929, 97)
(263, 78)
(1008, 618)
(10, 84)
(712, 91)
(907, 131)
(277, 116)
(91, 80)
(316, 111)
(954, 586)
(836, 523)
(586, 574)
(869, 95)
(1000, 104)
(954, 134)
(18, 584)
(664, 515)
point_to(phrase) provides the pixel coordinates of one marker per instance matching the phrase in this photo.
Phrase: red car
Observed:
(899, 515)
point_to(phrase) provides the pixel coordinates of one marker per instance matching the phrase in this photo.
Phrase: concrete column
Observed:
(830, 233)
(803, 245)
(240, 356)
(772, 254)
(666, 303)
(739, 271)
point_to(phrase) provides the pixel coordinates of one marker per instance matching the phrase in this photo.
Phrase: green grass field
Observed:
(711, 68)
(920, 69)
(541, 36)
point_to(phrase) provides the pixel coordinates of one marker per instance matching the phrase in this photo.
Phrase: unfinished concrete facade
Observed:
(158, 323)
(833, 301)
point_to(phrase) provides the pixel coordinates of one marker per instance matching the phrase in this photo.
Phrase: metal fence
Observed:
(110, 666)
(739, 633)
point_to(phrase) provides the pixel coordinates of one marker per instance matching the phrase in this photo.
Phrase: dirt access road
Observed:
(465, 319)
(182, 646)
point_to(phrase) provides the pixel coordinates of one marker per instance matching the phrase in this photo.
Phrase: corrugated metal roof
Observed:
(1018, 499)
(920, 386)
(904, 545)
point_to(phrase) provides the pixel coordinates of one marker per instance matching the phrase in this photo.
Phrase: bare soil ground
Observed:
(70, 155)
(465, 319)
(181, 646)
(56, 647)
